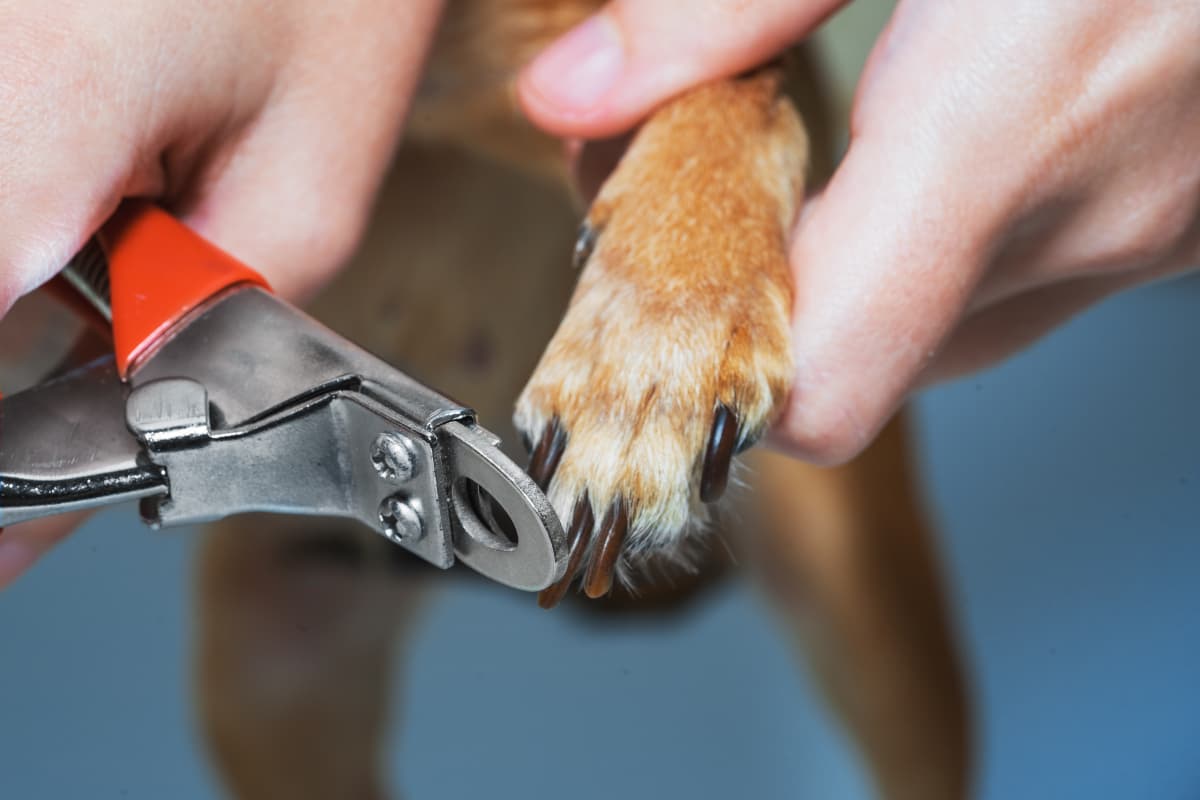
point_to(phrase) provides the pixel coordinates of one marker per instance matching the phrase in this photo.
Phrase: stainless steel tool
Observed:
(222, 398)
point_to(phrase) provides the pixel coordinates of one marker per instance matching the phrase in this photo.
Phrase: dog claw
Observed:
(603, 567)
(585, 243)
(547, 454)
(722, 442)
(582, 523)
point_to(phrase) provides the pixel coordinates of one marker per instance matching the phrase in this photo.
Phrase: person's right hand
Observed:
(266, 126)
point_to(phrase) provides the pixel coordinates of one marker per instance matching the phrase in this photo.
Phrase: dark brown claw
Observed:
(722, 442)
(599, 578)
(585, 243)
(547, 454)
(582, 523)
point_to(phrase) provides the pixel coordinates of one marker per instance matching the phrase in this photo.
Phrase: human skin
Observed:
(1010, 164)
(265, 126)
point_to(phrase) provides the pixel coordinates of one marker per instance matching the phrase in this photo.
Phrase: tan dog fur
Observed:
(689, 258)
(683, 303)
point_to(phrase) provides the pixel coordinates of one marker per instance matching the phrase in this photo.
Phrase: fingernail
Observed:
(579, 69)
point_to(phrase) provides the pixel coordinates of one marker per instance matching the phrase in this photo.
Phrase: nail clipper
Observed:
(220, 398)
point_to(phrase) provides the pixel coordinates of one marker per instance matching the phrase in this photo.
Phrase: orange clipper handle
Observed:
(160, 271)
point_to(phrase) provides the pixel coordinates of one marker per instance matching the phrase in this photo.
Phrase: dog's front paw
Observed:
(675, 352)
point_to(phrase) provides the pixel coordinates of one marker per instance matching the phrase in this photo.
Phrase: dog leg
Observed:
(674, 353)
(296, 632)
(849, 559)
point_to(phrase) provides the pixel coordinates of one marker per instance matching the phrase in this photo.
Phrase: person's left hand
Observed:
(1009, 165)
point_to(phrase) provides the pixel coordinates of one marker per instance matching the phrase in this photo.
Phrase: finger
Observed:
(884, 264)
(289, 201)
(22, 545)
(607, 73)
(1000, 331)
(292, 195)
(1100, 237)
(42, 225)
(66, 159)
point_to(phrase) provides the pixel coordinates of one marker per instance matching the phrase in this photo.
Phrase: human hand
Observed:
(1009, 165)
(264, 126)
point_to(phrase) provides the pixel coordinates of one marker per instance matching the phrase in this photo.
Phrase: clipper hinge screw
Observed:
(401, 520)
(394, 458)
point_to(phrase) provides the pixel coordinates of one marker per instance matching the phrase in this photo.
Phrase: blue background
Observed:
(1067, 485)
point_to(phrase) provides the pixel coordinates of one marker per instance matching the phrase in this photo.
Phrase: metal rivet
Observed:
(394, 458)
(401, 520)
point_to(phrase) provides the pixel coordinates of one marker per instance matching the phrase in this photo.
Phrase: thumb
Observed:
(612, 69)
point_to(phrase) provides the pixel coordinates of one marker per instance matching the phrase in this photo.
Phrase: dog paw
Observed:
(674, 354)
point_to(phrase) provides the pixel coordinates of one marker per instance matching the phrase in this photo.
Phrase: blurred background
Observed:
(1066, 485)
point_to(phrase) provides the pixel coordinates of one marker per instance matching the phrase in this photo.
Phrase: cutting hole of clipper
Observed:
(489, 513)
